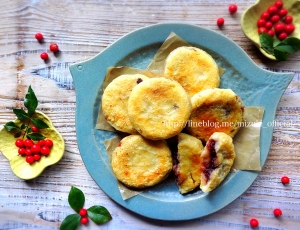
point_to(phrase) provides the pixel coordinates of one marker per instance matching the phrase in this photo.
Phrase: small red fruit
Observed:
(35, 149)
(269, 25)
(271, 32)
(39, 36)
(84, 220)
(277, 212)
(28, 152)
(44, 56)
(272, 10)
(45, 150)
(19, 143)
(261, 22)
(254, 223)
(262, 30)
(29, 159)
(28, 143)
(289, 28)
(35, 129)
(220, 21)
(275, 18)
(48, 143)
(22, 151)
(41, 143)
(288, 19)
(282, 36)
(232, 8)
(285, 180)
(82, 212)
(265, 16)
(279, 28)
(37, 157)
(54, 47)
(283, 12)
(279, 4)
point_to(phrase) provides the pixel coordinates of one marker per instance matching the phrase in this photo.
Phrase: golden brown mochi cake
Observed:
(188, 162)
(216, 161)
(215, 110)
(193, 68)
(158, 108)
(138, 162)
(115, 98)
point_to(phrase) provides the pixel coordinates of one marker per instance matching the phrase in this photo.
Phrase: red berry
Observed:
(232, 8)
(41, 143)
(48, 143)
(45, 150)
(279, 4)
(35, 148)
(271, 32)
(279, 28)
(285, 180)
(220, 21)
(275, 18)
(22, 151)
(283, 12)
(254, 223)
(282, 36)
(262, 30)
(265, 16)
(84, 220)
(39, 36)
(272, 10)
(28, 152)
(269, 25)
(19, 143)
(288, 19)
(289, 28)
(277, 212)
(35, 129)
(44, 56)
(261, 23)
(37, 157)
(28, 143)
(29, 159)
(53, 47)
(82, 212)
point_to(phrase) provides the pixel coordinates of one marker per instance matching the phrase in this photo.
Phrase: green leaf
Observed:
(23, 126)
(99, 214)
(266, 42)
(39, 123)
(293, 42)
(276, 42)
(21, 114)
(280, 55)
(71, 222)
(286, 48)
(11, 126)
(35, 136)
(17, 134)
(29, 130)
(76, 199)
(30, 101)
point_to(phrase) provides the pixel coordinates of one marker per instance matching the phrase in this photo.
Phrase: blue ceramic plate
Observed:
(255, 86)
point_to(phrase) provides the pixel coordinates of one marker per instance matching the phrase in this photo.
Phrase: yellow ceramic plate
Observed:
(253, 13)
(18, 163)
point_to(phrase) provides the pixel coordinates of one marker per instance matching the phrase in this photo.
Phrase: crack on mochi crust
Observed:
(193, 68)
(138, 162)
(115, 99)
(159, 108)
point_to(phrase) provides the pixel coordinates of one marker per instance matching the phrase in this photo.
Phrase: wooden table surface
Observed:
(83, 28)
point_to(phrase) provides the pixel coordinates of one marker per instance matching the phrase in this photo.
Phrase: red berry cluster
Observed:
(232, 9)
(33, 151)
(53, 47)
(276, 18)
(83, 213)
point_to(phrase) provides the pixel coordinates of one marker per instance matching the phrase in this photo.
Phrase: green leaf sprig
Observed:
(76, 199)
(31, 103)
(279, 49)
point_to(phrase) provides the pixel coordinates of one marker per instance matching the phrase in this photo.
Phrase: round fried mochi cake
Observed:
(188, 162)
(115, 98)
(159, 108)
(138, 162)
(216, 161)
(215, 110)
(193, 68)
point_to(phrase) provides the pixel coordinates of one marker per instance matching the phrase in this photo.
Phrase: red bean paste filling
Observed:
(173, 145)
(212, 164)
(139, 80)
